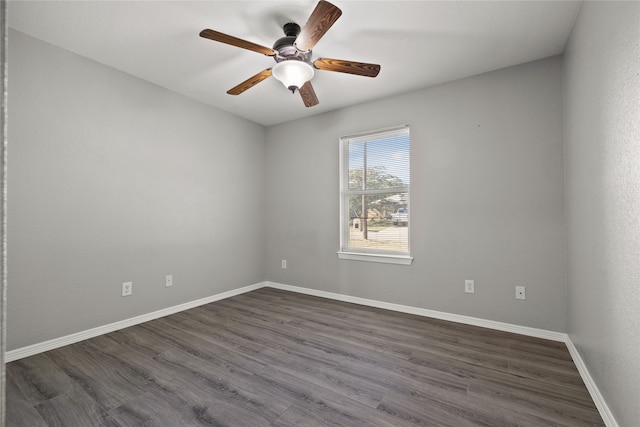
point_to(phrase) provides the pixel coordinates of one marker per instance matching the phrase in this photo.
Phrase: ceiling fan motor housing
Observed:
(285, 45)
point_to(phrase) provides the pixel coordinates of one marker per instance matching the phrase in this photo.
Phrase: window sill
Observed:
(385, 259)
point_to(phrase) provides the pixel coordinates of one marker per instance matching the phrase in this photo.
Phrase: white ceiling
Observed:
(417, 43)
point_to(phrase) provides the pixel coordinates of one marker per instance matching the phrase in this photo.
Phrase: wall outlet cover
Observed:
(469, 286)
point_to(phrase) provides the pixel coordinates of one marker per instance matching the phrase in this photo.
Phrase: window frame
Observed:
(371, 255)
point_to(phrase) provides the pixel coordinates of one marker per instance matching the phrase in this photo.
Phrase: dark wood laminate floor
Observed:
(275, 358)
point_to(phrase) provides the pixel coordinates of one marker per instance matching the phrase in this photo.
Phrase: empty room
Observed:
(312, 213)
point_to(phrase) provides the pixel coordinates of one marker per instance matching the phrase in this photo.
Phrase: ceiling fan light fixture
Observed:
(293, 73)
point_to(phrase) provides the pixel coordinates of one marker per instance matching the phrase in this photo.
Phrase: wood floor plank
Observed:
(237, 385)
(296, 416)
(335, 411)
(277, 358)
(139, 338)
(362, 389)
(152, 409)
(400, 376)
(38, 378)
(525, 401)
(456, 410)
(101, 375)
(75, 408)
(487, 360)
(19, 411)
(546, 370)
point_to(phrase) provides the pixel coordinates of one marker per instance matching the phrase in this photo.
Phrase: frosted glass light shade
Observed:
(292, 73)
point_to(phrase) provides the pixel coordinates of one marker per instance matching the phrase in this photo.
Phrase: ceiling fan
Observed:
(292, 54)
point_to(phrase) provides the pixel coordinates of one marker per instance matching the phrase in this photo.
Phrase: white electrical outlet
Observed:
(127, 289)
(469, 286)
(168, 280)
(520, 292)
(284, 263)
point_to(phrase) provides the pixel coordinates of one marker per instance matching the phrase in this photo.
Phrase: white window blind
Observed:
(374, 194)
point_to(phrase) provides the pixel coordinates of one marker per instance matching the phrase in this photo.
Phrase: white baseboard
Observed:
(31, 350)
(468, 320)
(597, 397)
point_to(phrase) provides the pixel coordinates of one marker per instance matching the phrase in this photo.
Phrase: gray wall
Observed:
(114, 179)
(486, 198)
(602, 128)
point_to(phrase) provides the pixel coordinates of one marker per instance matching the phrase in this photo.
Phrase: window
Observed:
(374, 196)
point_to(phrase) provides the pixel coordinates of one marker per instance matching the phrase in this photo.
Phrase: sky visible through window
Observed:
(392, 153)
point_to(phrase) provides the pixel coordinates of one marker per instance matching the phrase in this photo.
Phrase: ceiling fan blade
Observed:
(321, 19)
(234, 41)
(308, 95)
(250, 82)
(350, 67)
